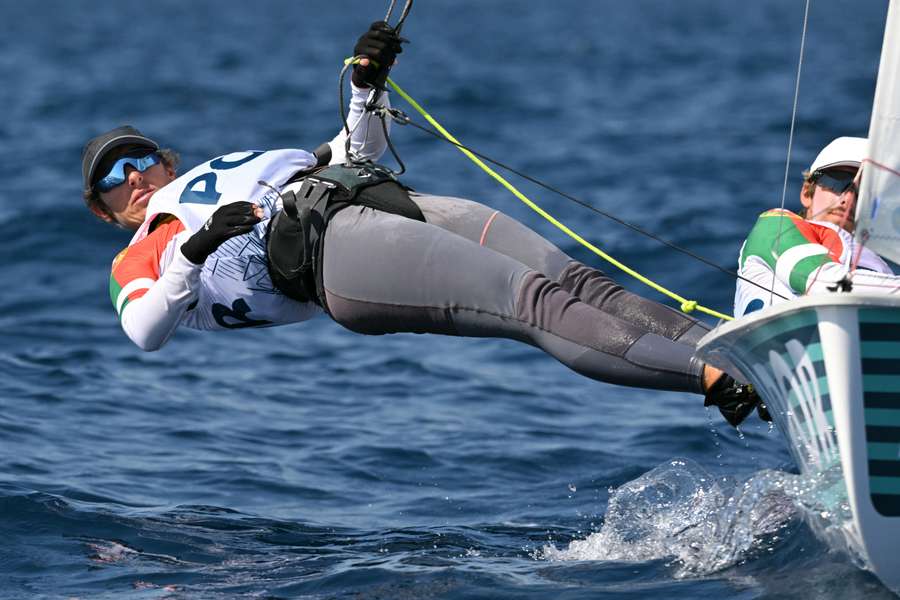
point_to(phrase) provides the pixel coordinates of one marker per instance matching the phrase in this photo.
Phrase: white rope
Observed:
(787, 165)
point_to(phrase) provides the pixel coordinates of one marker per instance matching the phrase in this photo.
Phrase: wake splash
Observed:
(679, 511)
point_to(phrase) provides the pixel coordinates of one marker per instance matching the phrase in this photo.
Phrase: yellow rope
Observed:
(686, 305)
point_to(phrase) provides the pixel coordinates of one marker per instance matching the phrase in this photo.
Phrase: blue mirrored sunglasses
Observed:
(117, 175)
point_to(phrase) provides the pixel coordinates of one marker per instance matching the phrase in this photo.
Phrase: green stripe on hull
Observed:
(814, 352)
(822, 384)
(879, 315)
(804, 423)
(799, 324)
(880, 349)
(882, 417)
(881, 383)
(805, 335)
(879, 451)
(884, 485)
(801, 417)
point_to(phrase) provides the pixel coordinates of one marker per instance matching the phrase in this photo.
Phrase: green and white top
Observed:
(791, 256)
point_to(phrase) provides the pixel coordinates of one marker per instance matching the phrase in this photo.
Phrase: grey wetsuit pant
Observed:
(472, 271)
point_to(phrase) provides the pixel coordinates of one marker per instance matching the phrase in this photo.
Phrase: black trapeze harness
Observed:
(296, 235)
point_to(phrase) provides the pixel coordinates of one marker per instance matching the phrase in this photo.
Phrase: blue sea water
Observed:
(307, 461)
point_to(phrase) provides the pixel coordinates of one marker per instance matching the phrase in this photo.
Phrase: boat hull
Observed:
(828, 368)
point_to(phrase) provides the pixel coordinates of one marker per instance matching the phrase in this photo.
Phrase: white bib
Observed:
(236, 289)
(234, 177)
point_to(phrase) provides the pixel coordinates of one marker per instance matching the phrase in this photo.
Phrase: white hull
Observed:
(828, 367)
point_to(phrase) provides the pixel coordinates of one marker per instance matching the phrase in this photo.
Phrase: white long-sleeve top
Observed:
(154, 288)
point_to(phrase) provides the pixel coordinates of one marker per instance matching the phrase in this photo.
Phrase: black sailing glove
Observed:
(382, 45)
(228, 221)
(734, 401)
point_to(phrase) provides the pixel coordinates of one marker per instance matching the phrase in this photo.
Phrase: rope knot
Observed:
(688, 306)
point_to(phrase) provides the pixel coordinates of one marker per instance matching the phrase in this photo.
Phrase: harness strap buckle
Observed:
(313, 191)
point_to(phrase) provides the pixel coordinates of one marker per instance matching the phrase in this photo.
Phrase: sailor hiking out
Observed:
(264, 238)
(787, 255)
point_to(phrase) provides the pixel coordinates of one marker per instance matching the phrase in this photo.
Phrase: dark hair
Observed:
(92, 198)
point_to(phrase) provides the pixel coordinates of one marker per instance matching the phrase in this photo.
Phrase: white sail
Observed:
(878, 211)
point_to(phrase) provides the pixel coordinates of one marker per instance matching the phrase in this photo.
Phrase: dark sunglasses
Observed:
(836, 181)
(116, 175)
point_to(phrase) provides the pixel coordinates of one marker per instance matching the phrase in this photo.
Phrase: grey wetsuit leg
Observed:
(493, 229)
(386, 274)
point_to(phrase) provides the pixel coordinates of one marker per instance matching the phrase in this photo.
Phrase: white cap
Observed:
(841, 152)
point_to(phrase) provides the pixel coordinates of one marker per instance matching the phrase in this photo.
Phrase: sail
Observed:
(878, 211)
